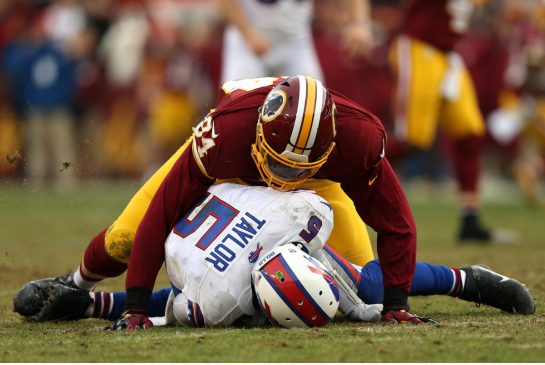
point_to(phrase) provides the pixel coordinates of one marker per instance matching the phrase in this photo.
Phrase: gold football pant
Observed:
(349, 236)
(433, 88)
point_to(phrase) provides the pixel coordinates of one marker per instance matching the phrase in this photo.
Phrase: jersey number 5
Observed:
(313, 227)
(222, 212)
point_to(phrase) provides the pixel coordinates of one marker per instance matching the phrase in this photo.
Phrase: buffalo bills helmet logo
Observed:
(254, 255)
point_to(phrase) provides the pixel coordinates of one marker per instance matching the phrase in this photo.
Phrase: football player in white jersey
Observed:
(211, 252)
(273, 37)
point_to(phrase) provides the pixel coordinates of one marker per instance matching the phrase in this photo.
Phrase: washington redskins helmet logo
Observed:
(273, 105)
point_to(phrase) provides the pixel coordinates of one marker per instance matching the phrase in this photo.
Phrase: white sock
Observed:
(82, 283)
(89, 311)
(463, 277)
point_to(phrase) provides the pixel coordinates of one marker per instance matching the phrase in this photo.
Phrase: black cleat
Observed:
(484, 286)
(472, 230)
(51, 300)
(66, 280)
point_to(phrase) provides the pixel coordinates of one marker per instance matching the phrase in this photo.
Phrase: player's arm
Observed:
(184, 183)
(234, 14)
(381, 202)
(358, 38)
(358, 285)
(350, 304)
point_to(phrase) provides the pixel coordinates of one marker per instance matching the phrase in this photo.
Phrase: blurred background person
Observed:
(42, 74)
(175, 84)
(274, 37)
(12, 23)
(432, 88)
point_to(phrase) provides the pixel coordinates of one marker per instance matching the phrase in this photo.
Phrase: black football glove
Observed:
(131, 321)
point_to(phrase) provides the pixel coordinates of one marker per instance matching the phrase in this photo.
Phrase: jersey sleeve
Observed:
(380, 201)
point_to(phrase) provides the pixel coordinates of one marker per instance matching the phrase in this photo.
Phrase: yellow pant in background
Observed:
(432, 88)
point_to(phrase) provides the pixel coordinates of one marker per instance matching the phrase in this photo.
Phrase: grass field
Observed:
(43, 233)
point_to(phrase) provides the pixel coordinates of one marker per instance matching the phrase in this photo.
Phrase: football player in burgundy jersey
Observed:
(433, 88)
(274, 131)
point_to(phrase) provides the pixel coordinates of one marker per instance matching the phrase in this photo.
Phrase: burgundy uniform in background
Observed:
(440, 23)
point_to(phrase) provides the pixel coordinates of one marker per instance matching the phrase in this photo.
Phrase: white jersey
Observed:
(287, 26)
(280, 20)
(212, 249)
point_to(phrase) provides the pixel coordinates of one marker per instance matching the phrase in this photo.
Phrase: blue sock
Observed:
(108, 305)
(158, 302)
(118, 307)
(428, 280)
(103, 301)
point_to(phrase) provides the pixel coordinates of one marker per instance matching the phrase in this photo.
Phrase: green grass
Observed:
(44, 233)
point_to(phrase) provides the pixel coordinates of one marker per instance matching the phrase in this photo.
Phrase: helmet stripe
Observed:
(301, 144)
(320, 94)
(194, 314)
(300, 113)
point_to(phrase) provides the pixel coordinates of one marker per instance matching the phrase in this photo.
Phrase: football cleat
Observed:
(30, 298)
(51, 300)
(484, 286)
(472, 230)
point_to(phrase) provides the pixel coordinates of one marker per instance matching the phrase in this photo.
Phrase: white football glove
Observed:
(364, 312)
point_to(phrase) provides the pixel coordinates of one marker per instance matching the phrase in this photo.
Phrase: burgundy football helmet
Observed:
(295, 132)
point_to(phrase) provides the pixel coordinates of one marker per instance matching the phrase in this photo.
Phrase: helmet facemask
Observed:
(280, 172)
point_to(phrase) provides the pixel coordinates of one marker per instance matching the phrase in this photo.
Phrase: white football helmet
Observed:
(294, 289)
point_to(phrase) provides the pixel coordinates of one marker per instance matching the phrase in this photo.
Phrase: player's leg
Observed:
(428, 280)
(349, 236)
(462, 120)
(238, 60)
(58, 302)
(107, 305)
(419, 70)
(108, 253)
(475, 283)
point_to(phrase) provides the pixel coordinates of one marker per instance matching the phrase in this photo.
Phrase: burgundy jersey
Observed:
(221, 148)
(440, 23)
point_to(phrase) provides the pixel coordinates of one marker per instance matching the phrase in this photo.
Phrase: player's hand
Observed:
(257, 42)
(365, 312)
(130, 321)
(401, 315)
(358, 39)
